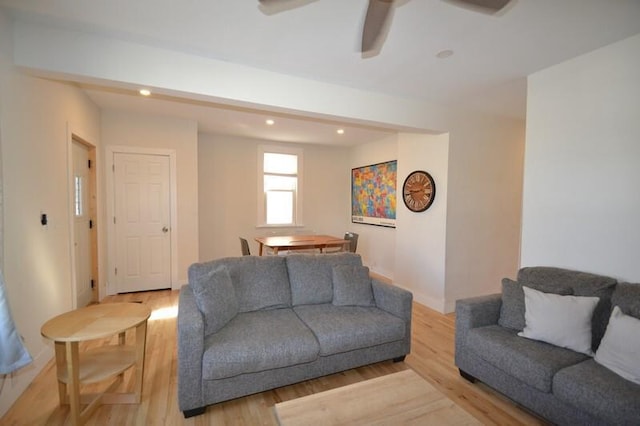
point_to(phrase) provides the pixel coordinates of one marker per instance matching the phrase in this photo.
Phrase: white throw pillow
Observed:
(563, 321)
(619, 350)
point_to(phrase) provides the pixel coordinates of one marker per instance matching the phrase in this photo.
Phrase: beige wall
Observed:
(228, 185)
(147, 131)
(484, 204)
(35, 116)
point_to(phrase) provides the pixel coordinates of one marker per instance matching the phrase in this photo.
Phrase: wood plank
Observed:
(431, 357)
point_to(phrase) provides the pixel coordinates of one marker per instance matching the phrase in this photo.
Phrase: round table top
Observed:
(95, 322)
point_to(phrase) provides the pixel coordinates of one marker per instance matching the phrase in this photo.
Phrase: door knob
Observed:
(165, 229)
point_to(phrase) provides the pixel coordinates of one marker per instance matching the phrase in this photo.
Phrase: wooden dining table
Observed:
(300, 242)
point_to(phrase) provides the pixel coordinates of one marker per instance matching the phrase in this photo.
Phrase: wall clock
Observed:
(418, 191)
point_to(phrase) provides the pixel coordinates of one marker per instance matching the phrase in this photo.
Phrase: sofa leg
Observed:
(193, 412)
(467, 376)
(399, 359)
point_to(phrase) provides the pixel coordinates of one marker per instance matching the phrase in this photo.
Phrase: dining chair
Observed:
(244, 246)
(353, 239)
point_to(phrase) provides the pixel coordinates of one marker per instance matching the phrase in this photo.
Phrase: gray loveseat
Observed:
(249, 324)
(561, 385)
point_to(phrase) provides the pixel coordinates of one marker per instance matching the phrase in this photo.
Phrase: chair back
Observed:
(244, 246)
(353, 238)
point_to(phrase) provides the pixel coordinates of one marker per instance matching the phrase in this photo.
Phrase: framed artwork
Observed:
(373, 194)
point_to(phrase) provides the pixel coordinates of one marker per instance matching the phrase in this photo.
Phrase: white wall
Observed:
(228, 186)
(581, 205)
(35, 115)
(147, 131)
(421, 237)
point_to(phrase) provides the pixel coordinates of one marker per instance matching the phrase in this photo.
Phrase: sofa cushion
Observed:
(563, 321)
(346, 328)
(352, 286)
(530, 361)
(512, 308)
(257, 341)
(311, 276)
(590, 387)
(216, 298)
(582, 284)
(619, 350)
(627, 297)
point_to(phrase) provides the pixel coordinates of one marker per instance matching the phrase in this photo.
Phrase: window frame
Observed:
(297, 192)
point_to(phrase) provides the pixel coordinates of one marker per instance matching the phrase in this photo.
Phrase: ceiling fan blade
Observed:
(376, 24)
(271, 7)
(492, 5)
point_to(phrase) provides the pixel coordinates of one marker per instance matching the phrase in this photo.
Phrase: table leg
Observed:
(73, 371)
(60, 365)
(141, 342)
(260, 245)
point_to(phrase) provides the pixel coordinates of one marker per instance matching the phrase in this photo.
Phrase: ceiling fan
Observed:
(378, 16)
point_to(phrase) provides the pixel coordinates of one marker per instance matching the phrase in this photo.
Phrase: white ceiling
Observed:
(493, 54)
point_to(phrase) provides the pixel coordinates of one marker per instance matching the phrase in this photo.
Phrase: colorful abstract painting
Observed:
(373, 194)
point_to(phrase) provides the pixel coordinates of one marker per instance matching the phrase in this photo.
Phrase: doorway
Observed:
(142, 221)
(84, 228)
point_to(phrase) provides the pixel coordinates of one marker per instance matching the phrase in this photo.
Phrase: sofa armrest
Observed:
(478, 311)
(190, 350)
(392, 299)
(472, 313)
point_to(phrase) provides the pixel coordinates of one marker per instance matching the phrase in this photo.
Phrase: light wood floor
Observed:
(431, 357)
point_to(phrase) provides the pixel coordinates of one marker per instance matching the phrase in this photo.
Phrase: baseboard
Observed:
(17, 382)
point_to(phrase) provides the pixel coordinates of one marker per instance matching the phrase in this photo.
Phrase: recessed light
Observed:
(145, 92)
(444, 54)
(340, 131)
(270, 122)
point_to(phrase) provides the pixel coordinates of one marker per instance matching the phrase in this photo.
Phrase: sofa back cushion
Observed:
(311, 276)
(215, 297)
(627, 297)
(582, 284)
(513, 308)
(352, 286)
(260, 282)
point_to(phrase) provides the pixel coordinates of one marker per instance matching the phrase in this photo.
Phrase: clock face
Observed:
(418, 191)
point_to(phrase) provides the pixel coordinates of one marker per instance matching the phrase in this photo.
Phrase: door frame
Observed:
(93, 214)
(111, 151)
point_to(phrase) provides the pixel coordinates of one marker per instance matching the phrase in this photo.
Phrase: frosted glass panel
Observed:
(280, 163)
(279, 207)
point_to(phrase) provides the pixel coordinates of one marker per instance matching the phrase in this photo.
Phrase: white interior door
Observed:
(81, 223)
(142, 222)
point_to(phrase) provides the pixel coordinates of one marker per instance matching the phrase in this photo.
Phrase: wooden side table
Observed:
(95, 365)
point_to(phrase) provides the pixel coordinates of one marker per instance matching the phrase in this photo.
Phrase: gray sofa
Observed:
(249, 324)
(558, 384)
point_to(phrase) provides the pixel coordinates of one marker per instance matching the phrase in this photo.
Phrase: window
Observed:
(79, 196)
(279, 186)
